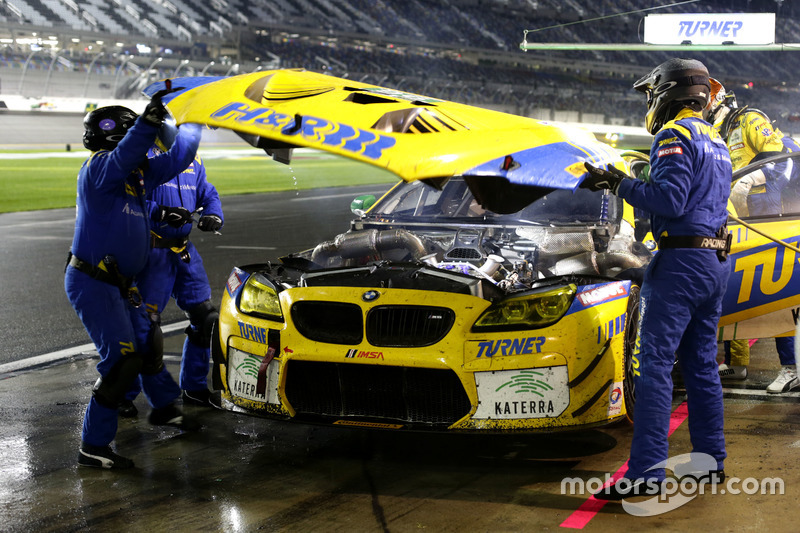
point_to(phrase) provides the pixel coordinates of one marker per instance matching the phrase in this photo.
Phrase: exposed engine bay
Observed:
(564, 234)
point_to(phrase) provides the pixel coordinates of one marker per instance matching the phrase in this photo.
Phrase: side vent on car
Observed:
(416, 120)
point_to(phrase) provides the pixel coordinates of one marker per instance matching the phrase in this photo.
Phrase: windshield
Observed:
(422, 202)
(768, 187)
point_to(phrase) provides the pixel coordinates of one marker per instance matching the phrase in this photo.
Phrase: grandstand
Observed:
(461, 50)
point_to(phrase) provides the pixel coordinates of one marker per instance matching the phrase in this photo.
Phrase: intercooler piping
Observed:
(368, 243)
(621, 260)
(597, 263)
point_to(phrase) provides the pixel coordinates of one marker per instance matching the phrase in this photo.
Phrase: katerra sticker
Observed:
(517, 394)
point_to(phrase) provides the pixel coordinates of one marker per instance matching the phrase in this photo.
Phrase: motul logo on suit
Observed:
(670, 150)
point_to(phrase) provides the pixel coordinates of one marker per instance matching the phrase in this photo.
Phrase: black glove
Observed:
(599, 179)
(209, 223)
(174, 216)
(155, 112)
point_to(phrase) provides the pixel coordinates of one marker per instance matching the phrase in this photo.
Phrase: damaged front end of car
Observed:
(431, 313)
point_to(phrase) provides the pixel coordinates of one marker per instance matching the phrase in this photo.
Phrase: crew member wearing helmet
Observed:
(750, 136)
(175, 269)
(681, 296)
(110, 246)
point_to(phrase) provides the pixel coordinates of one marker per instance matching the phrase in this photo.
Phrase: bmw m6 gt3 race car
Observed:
(433, 312)
(484, 292)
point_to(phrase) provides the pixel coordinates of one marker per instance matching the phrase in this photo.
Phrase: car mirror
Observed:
(361, 204)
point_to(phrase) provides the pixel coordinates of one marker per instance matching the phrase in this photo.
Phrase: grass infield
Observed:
(32, 180)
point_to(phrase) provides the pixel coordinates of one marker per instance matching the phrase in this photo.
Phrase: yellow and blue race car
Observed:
(433, 312)
(484, 292)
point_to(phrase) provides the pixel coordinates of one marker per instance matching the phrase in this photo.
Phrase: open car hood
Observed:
(509, 160)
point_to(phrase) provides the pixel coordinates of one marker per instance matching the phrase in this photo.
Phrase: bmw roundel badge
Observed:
(370, 296)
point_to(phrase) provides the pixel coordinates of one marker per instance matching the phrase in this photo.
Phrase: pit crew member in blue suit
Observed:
(681, 296)
(110, 246)
(175, 269)
(750, 136)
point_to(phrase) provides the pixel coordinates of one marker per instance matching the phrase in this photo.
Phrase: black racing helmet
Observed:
(676, 81)
(106, 126)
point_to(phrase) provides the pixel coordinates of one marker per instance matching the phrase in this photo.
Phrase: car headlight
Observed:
(260, 297)
(530, 311)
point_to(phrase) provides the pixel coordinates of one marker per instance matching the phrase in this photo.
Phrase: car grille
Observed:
(411, 395)
(408, 325)
(332, 322)
(390, 325)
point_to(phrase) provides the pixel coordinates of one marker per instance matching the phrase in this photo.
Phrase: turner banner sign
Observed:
(697, 28)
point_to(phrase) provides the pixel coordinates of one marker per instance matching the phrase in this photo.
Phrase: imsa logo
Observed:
(358, 354)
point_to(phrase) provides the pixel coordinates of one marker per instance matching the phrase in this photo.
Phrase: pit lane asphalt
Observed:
(37, 317)
(241, 473)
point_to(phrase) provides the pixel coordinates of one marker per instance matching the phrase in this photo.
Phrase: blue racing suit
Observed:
(112, 224)
(681, 296)
(167, 274)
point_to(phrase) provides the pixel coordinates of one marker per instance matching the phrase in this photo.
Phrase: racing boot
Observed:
(713, 477)
(202, 398)
(172, 416)
(630, 488)
(101, 457)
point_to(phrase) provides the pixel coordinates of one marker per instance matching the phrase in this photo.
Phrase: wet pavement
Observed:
(39, 319)
(241, 473)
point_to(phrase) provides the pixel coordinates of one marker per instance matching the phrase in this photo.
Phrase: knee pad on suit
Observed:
(109, 390)
(202, 317)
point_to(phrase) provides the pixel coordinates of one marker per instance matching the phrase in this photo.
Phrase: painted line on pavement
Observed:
(327, 196)
(67, 353)
(753, 393)
(246, 247)
(590, 508)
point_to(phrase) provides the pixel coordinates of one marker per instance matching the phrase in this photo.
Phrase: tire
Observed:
(631, 330)
(217, 358)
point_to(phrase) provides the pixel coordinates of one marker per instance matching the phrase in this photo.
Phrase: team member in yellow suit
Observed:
(750, 136)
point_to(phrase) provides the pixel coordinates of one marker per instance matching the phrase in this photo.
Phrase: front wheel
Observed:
(631, 332)
(217, 358)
